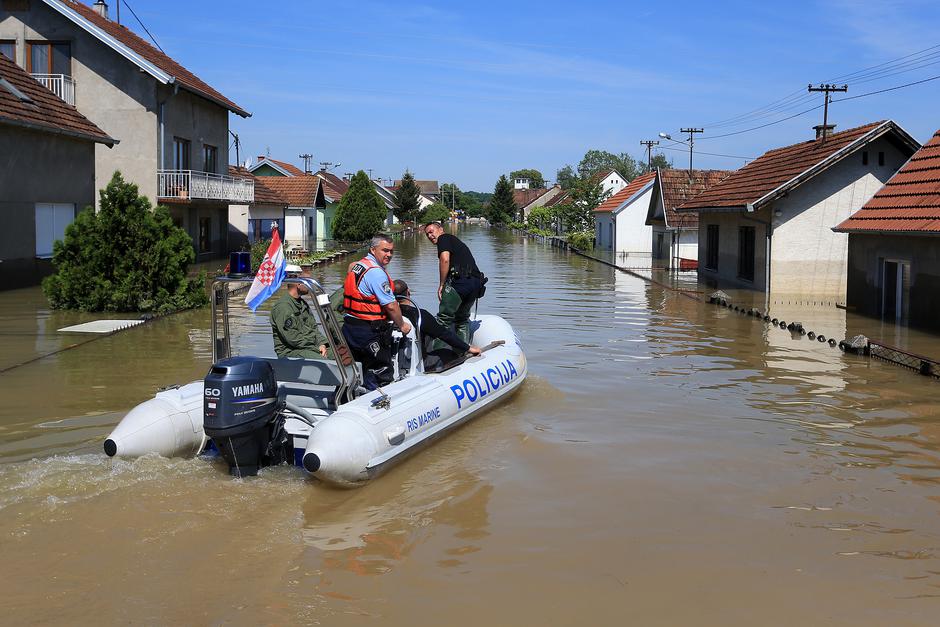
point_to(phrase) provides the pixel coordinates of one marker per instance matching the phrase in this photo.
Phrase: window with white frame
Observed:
(51, 220)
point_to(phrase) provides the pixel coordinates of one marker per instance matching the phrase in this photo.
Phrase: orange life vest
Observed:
(357, 304)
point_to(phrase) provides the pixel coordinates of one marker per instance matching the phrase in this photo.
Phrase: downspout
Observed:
(768, 249)
(161, 123)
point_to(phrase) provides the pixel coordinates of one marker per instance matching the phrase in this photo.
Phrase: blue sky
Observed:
(464, 92)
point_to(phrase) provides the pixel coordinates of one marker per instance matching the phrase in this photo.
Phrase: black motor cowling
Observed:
(240, 413)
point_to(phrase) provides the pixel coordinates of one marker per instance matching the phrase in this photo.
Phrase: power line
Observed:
(710, 154)
(852, 75)
(754, 128)
(141, 24)
(907, 63)
(649, 143)
(827, 90)
(881, 91)
(805, 111)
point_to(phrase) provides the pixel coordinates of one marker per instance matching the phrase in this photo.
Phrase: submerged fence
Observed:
(858, 345)
(920, 364)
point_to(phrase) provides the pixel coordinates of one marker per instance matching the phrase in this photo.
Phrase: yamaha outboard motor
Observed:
(240, 414)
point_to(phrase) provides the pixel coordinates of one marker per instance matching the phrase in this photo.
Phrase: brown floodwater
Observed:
(666, 463)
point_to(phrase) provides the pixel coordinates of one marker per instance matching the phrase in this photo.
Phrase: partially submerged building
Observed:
(172, 126)
(675, 235)
(620, 221)
(768, 226)
(894, 245)
(47, 173)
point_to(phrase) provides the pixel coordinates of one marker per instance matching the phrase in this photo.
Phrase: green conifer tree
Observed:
(126, 257)
(406, 197)
(361, 212)
(502, 208)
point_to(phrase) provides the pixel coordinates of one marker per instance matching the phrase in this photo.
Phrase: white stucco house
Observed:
(768, 226)
(611, 182)
(620, 221)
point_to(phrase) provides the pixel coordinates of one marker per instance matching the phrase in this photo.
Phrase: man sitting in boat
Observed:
(293, 325)
(430, 329)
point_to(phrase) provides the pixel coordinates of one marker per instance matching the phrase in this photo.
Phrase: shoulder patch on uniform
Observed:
(289, 323)
(386, 288)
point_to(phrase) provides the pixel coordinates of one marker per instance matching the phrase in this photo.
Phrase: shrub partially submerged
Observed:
(582, 240)
(126, 257)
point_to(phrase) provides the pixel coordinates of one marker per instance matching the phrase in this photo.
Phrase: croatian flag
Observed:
(270, 273)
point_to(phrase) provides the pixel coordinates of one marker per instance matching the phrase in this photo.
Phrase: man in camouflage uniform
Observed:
(295, 327)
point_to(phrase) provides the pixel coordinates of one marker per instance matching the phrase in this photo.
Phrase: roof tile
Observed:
(614, 202)
(288, 167)
(774, 168)
(130, 39)
(678, 187)
(909, 201)
(298, 191)
(44, 109)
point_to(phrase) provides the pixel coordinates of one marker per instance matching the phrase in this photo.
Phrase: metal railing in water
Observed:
(194, 185)
(62, 85)
(923, 365)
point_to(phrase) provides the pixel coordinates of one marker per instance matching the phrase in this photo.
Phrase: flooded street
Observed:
(666, 462)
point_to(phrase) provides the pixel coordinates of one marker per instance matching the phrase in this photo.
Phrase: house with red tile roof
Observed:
(620, 222)
(428, 188)
(768, 226)
(675, 235)
(48, 175)
(173, 126)
(313, 198)
(252, 222)
(266, 166)
(894, 245)
(527, 199)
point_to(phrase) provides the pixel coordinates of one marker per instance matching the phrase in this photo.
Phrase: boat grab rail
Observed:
(467, 356)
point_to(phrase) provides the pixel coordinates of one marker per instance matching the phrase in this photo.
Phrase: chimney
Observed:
(101, 8)
(824, 130)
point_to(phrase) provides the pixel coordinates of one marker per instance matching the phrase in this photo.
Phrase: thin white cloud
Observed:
(889, 28)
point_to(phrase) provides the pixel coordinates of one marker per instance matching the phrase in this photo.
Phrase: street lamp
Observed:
(690, 142)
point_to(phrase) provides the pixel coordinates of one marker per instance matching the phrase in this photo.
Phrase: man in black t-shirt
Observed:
(460, 280)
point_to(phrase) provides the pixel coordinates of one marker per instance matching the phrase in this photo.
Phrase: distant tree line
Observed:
(582, 186)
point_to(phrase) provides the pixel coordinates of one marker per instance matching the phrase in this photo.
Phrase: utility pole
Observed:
(827, 89)
(649, 143)
(238, 143)
(370, 174)
(306, 157)
(691, 131)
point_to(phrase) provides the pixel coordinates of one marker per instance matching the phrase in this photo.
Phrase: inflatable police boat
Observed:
(259, 412)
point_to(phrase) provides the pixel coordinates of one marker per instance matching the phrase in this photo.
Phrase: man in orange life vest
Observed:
(369, 303)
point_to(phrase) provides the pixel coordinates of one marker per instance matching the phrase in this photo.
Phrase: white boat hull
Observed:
(362, 438)
(359, 441)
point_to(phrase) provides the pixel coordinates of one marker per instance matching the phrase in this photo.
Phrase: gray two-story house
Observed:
(172, 126)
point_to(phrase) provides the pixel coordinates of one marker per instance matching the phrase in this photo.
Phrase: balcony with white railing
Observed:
(193, 185)
(61, 85)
